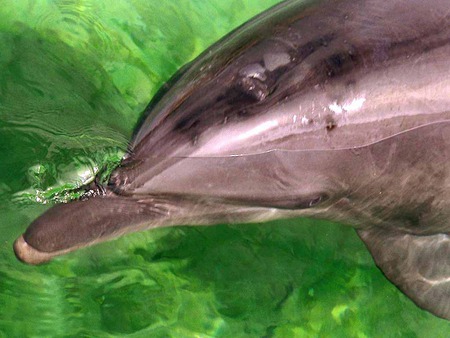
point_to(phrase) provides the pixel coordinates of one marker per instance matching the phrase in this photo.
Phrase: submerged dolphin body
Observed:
(335, 109)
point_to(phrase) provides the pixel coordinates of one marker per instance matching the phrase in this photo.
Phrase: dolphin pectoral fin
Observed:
(418, 265)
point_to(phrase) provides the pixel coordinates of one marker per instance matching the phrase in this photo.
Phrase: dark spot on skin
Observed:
(350, 83)
(186, 124)
(242, 112)
(413, 216)
(221, 98)
(337, 60)
(330, 123)
(330, 126)
(339, 63)
(324, 42)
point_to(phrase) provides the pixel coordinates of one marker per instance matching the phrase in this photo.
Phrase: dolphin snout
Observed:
(27, 254)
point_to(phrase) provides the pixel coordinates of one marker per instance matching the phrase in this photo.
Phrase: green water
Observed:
(74, 78)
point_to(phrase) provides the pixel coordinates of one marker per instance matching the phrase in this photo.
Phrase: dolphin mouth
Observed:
(27, 254)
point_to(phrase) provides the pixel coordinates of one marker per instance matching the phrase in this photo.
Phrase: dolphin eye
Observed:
(305, 203)
(316, 201)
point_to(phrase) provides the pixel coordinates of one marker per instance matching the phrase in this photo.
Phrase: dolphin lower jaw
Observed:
(49, 236)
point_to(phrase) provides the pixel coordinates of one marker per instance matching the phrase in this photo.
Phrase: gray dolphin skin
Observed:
(333, 109)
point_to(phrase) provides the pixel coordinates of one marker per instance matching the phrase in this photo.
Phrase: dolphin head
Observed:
(244, 133)
(284, 117)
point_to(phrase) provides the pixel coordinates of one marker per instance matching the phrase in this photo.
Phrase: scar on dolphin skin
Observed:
(333, 109)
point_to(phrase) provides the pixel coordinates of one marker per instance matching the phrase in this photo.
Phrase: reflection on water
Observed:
(75, 75)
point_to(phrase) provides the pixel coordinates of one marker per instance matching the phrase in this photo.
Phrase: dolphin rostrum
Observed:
(332, 109)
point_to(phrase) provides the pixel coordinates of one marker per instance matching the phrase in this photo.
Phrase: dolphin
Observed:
(332, 109)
